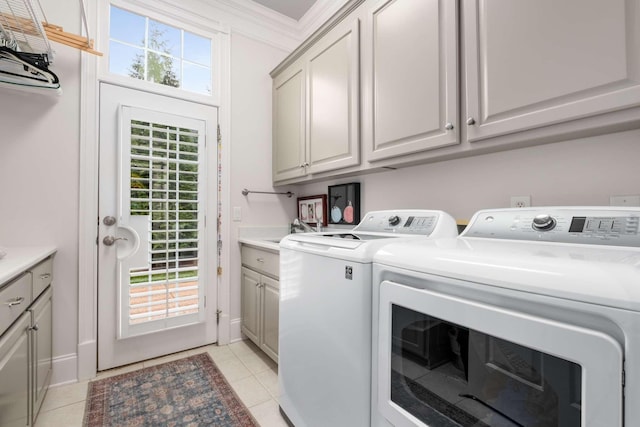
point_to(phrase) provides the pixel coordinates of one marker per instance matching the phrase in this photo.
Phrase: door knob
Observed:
(110, 240)
(109, 220)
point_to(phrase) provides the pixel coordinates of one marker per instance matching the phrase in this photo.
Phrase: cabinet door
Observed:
(270, 313)
(41, 340)
(289, 123)
(333, 98)
(14, 375)
(533, 63)
(411, 77)
(250, 304)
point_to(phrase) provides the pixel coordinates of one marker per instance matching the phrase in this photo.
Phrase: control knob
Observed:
(543, 222)
(394, 220)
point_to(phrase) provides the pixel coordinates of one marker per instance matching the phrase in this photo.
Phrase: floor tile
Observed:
(243, 347)
(58, 397)
(257, 362)
(233, 369)
(219, 354)
(269, 379)
(267, 414)
(250, 391)
(67, 416)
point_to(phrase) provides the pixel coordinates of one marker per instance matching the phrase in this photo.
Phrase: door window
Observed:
(146, 49)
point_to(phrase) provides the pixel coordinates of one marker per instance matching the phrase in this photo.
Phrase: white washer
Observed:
(324, 354)
(530, 317)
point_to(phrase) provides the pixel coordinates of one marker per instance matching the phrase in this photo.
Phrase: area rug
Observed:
(189, 392)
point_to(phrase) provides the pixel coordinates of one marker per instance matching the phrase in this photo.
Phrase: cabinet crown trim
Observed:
(337, 17)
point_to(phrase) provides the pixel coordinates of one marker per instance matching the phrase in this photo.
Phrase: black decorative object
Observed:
(344, 204)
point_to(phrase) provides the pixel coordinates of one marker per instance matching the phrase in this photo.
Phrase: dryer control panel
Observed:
(587, 225)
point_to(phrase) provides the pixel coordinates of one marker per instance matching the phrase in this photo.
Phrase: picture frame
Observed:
(344, 201)
(312, 209)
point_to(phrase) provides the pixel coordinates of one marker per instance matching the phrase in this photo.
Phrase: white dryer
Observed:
(325, 315)
(530, 318)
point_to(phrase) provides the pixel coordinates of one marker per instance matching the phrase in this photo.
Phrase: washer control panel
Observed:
(418, 222)
(588, 225)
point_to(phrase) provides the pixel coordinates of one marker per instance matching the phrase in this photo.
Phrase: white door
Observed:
(157, 226)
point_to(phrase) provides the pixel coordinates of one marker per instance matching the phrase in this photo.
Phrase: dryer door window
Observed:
(449, 362)
(447, 375)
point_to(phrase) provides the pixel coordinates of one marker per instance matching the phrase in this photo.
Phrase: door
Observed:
(156, 257)
(535, 63)
(333, 134)
(441, 357)
(411, 77)
(270, 315)
(250, 283)
(289, 123)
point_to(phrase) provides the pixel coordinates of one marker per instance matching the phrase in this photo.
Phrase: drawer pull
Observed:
(15, 301)
(45, 276)
(260, 259)
(34, 327)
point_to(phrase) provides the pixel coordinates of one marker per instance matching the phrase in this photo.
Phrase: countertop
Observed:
(261, 243)
(20, 259)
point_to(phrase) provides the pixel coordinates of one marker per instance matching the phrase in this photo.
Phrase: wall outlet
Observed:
(520, 201)
(624, 200)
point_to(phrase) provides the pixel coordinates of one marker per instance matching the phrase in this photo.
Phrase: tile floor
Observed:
(252, 374)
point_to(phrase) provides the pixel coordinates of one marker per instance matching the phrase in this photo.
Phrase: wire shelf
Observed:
(21, 27)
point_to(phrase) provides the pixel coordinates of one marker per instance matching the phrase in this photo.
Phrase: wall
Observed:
(251, 62)
(39, 150)
(578, 172)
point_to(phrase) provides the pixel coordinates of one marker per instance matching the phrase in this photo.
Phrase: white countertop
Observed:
(20, 259)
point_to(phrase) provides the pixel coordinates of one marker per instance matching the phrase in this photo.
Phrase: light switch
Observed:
(237, 213)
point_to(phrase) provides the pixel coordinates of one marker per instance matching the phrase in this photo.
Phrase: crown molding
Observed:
(318, 14)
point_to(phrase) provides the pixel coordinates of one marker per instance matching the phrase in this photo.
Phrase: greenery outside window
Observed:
(146, 49)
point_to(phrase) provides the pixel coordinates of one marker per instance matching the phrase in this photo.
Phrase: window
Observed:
(146, 49)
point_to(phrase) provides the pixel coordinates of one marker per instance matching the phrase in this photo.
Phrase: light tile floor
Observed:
(252, 374)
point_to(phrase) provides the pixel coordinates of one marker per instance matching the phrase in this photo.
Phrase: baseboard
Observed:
(65, 369)
(235, 330)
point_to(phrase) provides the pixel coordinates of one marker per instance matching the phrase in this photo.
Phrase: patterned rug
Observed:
(189, 392)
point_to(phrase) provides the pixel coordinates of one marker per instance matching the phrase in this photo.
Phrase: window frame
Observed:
(212, 32)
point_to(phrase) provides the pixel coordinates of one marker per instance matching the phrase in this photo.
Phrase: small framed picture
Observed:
(345, 203)
(313, 209)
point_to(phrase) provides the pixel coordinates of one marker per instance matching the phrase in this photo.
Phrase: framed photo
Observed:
(313, 209)
(344, 200)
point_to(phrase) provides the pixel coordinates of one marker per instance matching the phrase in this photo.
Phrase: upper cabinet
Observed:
(537, 63)
(530, 71)
(316, 107)
(410, 77)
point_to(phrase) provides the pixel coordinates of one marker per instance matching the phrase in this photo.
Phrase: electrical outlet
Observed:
(520, 201)
(624, 200)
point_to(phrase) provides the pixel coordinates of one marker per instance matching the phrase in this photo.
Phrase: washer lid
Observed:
(602, 275)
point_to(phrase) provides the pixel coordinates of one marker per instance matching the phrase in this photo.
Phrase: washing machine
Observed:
(531, 317)
(324, 354)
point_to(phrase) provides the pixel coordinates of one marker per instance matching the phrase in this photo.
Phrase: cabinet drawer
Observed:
(261, 260)
(14, 300)
(42, 276)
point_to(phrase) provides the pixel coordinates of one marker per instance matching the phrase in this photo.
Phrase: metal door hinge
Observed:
(219, 135)
(218, 313)
(219, 271)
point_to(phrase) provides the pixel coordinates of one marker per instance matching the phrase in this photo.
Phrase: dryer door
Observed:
(447, 361)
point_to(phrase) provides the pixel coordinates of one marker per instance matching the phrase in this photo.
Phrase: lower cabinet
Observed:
(25, 345)
(260, 299)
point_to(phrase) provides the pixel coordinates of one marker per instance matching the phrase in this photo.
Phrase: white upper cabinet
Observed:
(289, 127)
(316, 107)
(333, 140)
(410, 77)
(534, 63)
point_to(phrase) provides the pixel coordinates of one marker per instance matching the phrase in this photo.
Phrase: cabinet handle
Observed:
(45, 276)
(34, 327)
(305, 165)
(449, 126)
(260, 259)
(471, 121)
(15, 301)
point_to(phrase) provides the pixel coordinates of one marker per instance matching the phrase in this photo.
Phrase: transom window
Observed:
(146, 49)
